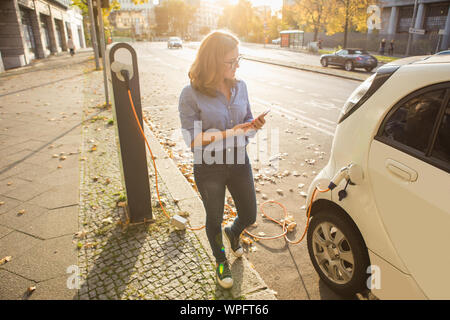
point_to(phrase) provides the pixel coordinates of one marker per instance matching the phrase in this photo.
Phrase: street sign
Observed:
(416, 31)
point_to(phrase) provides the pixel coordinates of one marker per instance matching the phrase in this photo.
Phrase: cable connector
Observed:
(179, 222)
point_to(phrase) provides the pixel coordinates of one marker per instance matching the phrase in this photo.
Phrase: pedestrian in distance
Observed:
(382, 46)
(391, 48)
(71, 46)
(217, 121)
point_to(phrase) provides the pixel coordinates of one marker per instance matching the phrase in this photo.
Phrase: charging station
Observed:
(122, 59)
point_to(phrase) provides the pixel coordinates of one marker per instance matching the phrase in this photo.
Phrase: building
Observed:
(432, 19)
(206, 18)
(34, 29)
(137, 19)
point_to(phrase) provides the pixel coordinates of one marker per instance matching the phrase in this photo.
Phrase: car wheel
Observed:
(324, 62)
(338, 252)
(369, 69)
(348, 65)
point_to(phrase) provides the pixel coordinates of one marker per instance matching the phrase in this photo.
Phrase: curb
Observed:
(247, 282)
(305, 68)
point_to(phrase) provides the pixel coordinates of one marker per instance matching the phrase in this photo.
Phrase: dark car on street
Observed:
(350, 59)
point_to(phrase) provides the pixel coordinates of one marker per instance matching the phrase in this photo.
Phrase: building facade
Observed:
(34, 29)
(136, 18)
(432, 19)
(206, 18)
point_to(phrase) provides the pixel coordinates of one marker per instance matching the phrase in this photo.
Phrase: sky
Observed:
(275, 4)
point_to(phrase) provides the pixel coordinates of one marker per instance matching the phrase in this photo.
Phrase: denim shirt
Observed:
(200, 113)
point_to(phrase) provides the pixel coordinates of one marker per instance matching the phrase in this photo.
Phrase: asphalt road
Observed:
(299, 130)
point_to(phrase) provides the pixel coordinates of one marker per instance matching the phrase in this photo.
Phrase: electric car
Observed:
(384, 224)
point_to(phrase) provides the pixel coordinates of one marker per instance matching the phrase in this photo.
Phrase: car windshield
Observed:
(357, 52)
(175, 39)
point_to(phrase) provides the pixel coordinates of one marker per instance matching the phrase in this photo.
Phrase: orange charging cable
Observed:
(283, 224)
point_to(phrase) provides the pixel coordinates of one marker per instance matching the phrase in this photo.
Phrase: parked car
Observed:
(443, 52)
(276, 41)
(388, 231)
(174, 42)
(350, 59)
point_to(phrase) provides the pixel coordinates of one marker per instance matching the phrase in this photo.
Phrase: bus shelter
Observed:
(292, 38)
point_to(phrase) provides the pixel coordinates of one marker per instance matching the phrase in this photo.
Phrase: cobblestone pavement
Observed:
(122, 261)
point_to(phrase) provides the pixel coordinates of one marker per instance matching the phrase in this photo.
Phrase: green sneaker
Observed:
(223, 274)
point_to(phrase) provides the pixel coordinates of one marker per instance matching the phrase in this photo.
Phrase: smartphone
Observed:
(265, 112)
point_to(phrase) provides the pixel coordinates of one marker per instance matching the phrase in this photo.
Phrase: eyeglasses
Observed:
(234, 63)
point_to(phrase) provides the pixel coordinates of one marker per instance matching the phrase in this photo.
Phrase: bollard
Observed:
(132, 153)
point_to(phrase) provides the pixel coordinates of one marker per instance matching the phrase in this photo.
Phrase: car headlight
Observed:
(356, 95)
(366, 90)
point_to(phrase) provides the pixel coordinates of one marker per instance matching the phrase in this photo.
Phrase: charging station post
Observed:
(131, 146)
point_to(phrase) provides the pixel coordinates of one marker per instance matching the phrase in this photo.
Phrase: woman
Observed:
(217, 121)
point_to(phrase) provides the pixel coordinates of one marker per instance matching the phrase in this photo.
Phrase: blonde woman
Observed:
(217, 122)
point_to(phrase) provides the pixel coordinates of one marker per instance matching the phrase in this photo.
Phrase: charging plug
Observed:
(179, 222)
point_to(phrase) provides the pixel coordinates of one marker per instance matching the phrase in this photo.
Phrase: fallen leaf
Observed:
(81, 234)
(5, 260)
(2, 203)
(21, 212)
(122, 204)
(9, 183)
(30, 290)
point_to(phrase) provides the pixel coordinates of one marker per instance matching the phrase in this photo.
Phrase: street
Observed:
(305, 107)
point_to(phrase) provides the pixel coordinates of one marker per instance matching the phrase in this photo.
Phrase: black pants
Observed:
(211, 180)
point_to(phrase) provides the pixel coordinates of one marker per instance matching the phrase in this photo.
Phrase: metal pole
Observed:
(93, 36)
(412, 26)
(102, 48)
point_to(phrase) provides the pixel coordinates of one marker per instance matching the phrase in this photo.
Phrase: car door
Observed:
(409, 165)
(340, 58)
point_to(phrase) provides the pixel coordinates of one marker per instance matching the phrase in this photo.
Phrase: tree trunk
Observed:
(347, 5)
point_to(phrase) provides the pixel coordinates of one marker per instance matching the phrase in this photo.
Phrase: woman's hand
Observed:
(242, 128)
(259, 122)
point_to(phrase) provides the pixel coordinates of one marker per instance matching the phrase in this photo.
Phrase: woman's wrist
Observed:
(227, 133)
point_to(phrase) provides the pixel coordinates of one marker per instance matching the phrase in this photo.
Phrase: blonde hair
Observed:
(206, 71)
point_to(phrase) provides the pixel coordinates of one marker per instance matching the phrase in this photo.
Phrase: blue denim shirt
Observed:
(200, 113)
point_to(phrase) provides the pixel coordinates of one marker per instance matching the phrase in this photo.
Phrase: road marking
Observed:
(299, 90)
(330, 122)
(293, 115)
(338, 100)
(274, 84)
(289, 88)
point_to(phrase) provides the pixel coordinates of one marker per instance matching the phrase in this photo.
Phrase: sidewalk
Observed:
(62, 223)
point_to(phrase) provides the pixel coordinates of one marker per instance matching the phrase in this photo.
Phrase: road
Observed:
(299, 131)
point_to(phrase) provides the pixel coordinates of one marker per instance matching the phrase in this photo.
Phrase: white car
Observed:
(276, 41)
(389, 231)
(174, 42)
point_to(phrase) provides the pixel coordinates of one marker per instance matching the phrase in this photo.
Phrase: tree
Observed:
(313, 15)
(242, 21)
(349, 15)
(83, 6)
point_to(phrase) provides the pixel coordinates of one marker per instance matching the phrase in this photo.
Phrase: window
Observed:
(441, 148)
(412, 123)
(419, 125)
